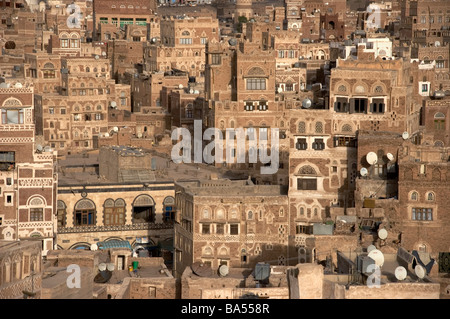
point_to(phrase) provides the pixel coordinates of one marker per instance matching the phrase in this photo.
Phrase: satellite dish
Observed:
(405, 135)
(191, 91)
(115, 129)
(382, 233)
(437, 44)
(39, 147)
(400, 273)
(180, 86)
(103, 53)
(223, 270)
(364, 171)
(201, 269)
(371, 158)
(106, 134)
(232, 41)
(3, 85)
(306, 103)
(113, 104)
(420, 271)
(47, 149)
(279, 90)
(370, 248)
(196, 91)
(139, 135)
(94, 247)
(377, 256)
(96, 57)
(102, 267)
(390, 156)
(110, 266)
(18, 85)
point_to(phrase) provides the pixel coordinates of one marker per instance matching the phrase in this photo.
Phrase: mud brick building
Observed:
(28, 179)
(233, 223)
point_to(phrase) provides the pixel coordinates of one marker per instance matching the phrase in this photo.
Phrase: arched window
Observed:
(319, 127)
(61, 213)
(143, 209)
(36, 205)
(414, 196)
(114, 212)
(302, 127)
(206, 213)
(185, 33)
(220, 213)
(85, 212)
(347, 128)
(250, 215)
(169, 209)
(431, 196)
(439, 121)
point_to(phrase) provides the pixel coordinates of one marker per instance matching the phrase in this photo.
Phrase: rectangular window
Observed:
(341, 105)
(63, 111)
(304, 229)
(12, 116)
(358, 105)
(219, 229)
(249, 106)
(36, 214)
(9, 181)
(307, 183)
(203, 40)
(256, 84)
(98, 117)
(216, 59)
(424, 87)
(301, 144)
(84, 217)
(7, 161)
(205, 229)
(439, 125)
(51, 110)
(185, 40)
(64, 43)
(422, 214)
(262, 106)
(318, 144)
(347, 141)
(263, 134)
(377, 106)
(49, 74)
(234, 229)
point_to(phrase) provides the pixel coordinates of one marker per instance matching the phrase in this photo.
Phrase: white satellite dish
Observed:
(18, 85)
(103, 53)
(180, 86)
(115, 129)
(279, 90)
(420, 271)
(39, 147)
(139, 135)
(110, 266)
(96, 57)
(382, 233)
(390, 156)
(371, 158)
(47, 149)
(306, 103)
(106, 134)
(94, 247)
(364, 171)
(102, 267)
(437, 44)
(3, 85)
(113, 104)
(377, 256)
(191, 91)
(400, 273)
(370, 248)
(405, 135)
(223, 270)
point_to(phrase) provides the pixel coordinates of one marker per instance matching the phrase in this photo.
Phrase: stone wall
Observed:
(389, 291)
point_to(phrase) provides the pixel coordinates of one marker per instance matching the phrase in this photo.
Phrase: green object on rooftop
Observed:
(135, 265)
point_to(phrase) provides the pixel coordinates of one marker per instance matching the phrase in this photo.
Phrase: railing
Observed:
(94, 228)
